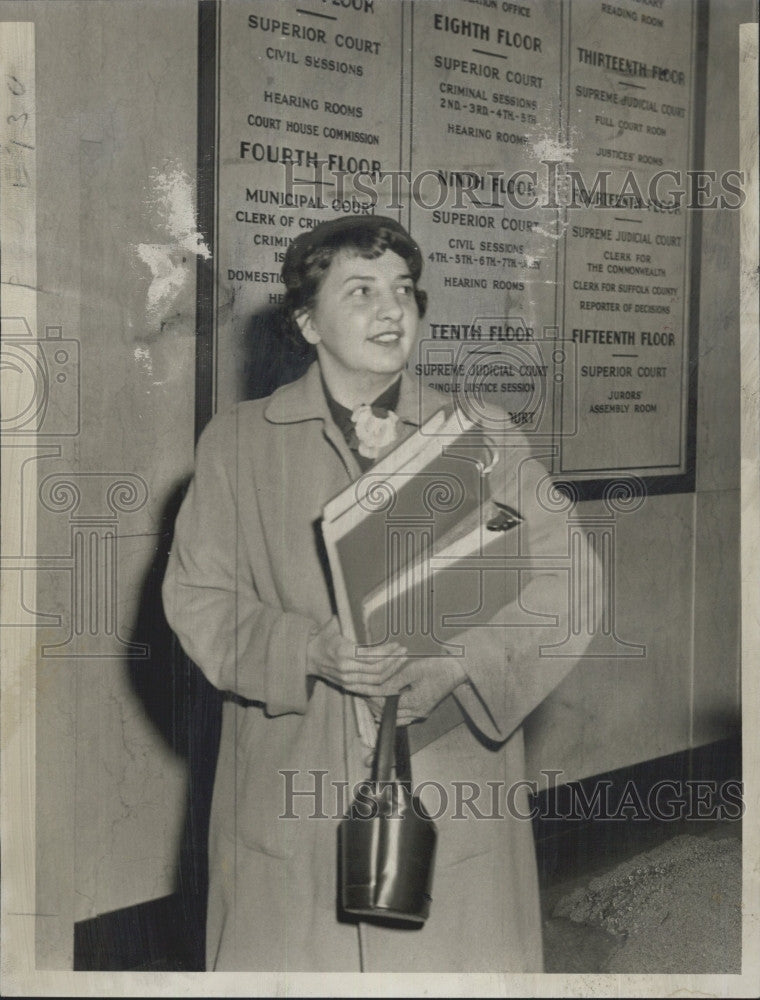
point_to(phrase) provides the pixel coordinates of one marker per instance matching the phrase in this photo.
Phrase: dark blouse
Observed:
(385, 402)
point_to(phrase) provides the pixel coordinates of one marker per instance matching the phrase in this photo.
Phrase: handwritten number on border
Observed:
(15, 86)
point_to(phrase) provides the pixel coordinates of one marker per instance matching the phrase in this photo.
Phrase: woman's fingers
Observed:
(406, 718)
(361, 670)
(381, 661)
(375, 680)
(370, 654)
(380, 690)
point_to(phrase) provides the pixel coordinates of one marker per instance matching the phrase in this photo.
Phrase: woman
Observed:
(248, 594)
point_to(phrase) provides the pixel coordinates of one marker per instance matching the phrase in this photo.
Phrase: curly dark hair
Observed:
(309, 256)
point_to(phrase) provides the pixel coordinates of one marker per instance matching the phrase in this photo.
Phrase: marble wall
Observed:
(116, 185)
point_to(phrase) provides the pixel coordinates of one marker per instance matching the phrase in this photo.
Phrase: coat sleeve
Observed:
(508, 674)
(241, 644)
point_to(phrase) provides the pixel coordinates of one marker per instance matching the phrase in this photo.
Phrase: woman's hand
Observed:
(424, 682)
(333, 658)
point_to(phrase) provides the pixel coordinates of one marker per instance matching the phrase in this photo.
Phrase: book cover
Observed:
(408, 501)
(462, 582)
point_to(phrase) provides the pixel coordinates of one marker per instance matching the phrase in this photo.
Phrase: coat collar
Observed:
(305, 400)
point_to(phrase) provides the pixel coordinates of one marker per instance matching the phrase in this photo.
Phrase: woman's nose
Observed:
(389, 305)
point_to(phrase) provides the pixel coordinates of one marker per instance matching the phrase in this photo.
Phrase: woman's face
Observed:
(364, 320)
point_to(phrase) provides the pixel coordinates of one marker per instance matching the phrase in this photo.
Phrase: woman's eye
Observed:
(405, 289)
(360, 292)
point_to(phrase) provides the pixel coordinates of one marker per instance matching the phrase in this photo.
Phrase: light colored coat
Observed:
(244, 589)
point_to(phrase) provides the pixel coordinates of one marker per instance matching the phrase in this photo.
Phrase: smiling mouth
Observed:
(388, 337)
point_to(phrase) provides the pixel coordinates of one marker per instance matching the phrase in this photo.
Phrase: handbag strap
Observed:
(403, 762)
(383, 763)
(392, 743)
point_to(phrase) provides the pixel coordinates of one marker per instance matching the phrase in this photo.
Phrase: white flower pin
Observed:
(374, 433)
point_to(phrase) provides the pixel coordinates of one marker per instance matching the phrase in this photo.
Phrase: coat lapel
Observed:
(305, 400)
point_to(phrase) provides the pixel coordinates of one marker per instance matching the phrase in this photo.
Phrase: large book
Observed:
(463, 582)
(417, 547)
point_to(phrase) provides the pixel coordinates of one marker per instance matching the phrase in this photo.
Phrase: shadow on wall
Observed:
(275, 353)
(186, 710)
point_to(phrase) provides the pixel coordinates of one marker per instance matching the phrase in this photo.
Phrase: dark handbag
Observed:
(387, 841)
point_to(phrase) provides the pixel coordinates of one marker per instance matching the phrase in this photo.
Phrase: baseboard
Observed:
(158, 935)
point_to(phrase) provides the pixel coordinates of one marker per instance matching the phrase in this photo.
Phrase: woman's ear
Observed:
(306, 326)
